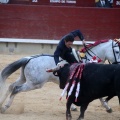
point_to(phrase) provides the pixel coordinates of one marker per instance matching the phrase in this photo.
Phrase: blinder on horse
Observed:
(117, 44)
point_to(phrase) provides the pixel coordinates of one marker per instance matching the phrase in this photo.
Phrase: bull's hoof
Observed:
(80, 118)
(109, 111)
(68, 117)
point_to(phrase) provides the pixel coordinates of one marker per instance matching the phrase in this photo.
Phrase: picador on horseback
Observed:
(64, 49)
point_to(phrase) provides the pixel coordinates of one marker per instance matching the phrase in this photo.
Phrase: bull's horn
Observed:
(53, 69)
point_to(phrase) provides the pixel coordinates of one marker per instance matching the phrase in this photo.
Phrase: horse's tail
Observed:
(11, 68)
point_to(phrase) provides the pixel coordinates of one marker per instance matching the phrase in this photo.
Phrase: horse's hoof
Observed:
(109, 111)
(2, 110)
(73, 109)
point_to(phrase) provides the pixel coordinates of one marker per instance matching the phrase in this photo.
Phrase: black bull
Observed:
(98, 80)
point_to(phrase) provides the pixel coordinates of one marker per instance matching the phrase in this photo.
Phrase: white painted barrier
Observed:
(31, 46)
(43, 41)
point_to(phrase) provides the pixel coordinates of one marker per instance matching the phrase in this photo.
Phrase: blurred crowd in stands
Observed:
(98, 3)
(104, 3)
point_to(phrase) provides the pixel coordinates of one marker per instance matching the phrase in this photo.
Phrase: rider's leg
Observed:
(70, 58)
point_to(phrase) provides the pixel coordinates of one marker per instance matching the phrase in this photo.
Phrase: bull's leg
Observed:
(73, 107)
(82, 110)
(105, 104)
(68, 113)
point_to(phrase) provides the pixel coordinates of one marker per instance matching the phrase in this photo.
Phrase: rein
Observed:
(88, 50)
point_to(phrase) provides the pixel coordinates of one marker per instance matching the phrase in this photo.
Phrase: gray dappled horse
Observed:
(33, 70)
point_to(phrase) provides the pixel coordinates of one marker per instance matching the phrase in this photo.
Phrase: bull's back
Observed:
(98, 80)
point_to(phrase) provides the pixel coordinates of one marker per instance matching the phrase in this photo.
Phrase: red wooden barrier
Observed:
(53, 22)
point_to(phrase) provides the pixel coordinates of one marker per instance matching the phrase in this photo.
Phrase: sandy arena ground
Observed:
(44, 104)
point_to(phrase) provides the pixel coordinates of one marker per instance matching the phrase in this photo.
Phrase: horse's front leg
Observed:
(68, 113)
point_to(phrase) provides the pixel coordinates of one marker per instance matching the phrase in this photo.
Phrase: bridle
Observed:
(113, 46)
(89, 51)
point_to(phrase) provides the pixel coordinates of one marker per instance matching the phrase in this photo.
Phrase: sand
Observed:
(44, 104)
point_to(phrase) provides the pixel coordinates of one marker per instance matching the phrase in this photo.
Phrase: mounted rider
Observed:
(64, 49)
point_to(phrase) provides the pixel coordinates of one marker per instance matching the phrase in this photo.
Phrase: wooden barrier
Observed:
(53, 22)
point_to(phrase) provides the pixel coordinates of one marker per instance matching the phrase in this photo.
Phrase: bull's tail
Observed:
(11, 68)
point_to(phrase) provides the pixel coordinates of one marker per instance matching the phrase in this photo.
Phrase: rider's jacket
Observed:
(61, 49)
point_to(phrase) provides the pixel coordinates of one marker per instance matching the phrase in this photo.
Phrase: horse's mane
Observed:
(38, 55)
(93, 45)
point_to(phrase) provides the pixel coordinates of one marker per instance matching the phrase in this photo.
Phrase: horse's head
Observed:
(96, 49)
(104, 50)
(113, 51)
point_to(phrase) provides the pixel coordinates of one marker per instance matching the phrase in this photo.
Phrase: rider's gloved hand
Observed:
(83, 41)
